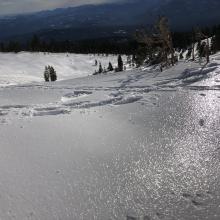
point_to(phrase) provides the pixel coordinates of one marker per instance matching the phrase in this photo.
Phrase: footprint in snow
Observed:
(197, 204)
(201, 122)
(50, 112)
(77, 94)
(187, 196)
(3, 113)
(146, 217)
(197, 200)
(69, 97)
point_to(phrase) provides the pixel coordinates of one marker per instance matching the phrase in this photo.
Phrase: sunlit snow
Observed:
(139, 143)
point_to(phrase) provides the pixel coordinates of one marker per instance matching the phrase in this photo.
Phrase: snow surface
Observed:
(140, 143)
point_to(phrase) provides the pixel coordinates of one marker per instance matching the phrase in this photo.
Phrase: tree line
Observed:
(95, 46)
(105, 46)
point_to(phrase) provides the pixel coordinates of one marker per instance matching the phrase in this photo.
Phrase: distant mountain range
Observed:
(109, 20)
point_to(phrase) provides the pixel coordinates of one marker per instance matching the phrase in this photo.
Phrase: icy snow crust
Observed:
(138, 143)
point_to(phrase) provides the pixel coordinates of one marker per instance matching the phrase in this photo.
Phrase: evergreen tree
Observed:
(129, 60)
(47, 74)
(2, 47)
(120, 63)
(53, 74)
(100, 68)
(133, 60)
(193, 39)
(189, 53)
(217, 40)
(158, 44)
(201, 49)
(141, 55)
(181, 56)
(205, 46)
(13, 46)
(35, 43)
(215, 43)
(110, 67)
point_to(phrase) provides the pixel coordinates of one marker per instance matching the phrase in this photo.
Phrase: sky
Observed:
(24, 6)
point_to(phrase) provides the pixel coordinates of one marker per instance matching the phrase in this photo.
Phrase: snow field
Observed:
(27, 67)
(139, 143)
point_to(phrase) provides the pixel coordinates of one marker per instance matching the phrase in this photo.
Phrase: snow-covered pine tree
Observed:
(205, 46)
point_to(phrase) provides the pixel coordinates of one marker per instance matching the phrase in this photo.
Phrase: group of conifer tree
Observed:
(50, 74)
(159, 46)
(120, 67)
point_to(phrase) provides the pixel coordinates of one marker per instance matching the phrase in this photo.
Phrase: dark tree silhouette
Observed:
(120, 63)
(47, 74)
(110, 67)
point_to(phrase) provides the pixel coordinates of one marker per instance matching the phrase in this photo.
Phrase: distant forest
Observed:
(96, 46)
(129, 46)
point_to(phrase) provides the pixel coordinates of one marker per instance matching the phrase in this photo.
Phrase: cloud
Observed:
(23, 6)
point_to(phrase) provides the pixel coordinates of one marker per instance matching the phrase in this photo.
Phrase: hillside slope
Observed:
(25, 67)
(137, 143)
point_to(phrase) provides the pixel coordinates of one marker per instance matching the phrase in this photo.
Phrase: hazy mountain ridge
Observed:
(182, 14)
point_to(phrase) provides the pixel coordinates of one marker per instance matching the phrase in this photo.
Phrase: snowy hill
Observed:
(27, 67)
(140, 143)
